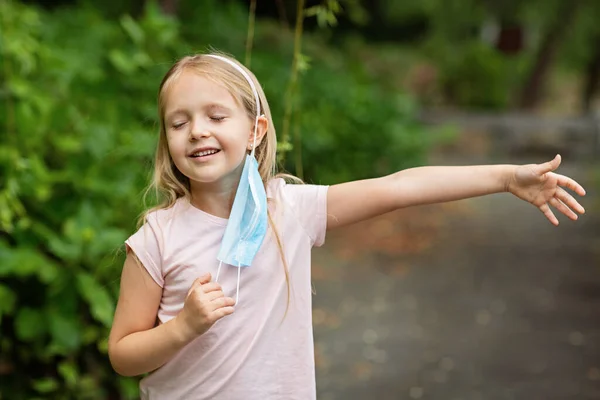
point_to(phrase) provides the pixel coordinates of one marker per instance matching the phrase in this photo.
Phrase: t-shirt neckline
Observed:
(195, 211)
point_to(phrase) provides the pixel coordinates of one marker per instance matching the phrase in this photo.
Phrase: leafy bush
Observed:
(78, 137)
(78, 125)
(475, 75)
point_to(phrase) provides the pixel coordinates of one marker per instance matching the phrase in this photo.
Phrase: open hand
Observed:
(537, 184)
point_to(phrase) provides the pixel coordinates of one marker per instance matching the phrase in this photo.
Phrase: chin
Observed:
(209, 176)
(204, 175)
(202, 180)
(207, 179)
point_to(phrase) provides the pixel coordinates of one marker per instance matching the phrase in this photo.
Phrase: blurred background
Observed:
(478, 299)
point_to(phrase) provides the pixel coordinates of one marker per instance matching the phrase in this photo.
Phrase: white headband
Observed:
(251, 83)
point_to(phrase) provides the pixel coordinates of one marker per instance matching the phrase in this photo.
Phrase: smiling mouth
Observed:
(204, 153)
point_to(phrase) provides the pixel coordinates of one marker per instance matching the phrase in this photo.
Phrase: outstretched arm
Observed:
(536, 183)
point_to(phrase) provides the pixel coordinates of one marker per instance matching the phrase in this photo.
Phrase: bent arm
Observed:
(352, 202)
(135, 345)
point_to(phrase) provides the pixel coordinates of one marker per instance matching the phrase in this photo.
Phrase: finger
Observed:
(216, 294)
(569, 200)
(560, 206)
(569, 183)
(548, 213)
(228, 302)
(211, 287)
(222, 312)
(199, 282)
(550, 165)
(221, 302)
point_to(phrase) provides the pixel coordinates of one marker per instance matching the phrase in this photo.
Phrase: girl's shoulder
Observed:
(274, 186)
(163, 215)
(296, 193)
(160, 221)
(282, 183)
(278, 189)
(305, 204)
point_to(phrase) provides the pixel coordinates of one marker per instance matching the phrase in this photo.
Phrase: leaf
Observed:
(68, 370)
(89, 384)
(121, 62)
(65, 331)
(29, 324)
(90, 334)
(45, 385)
(103, 345)
(133, 29)
(26, 261)
(7, 301)
(303, 63)
(68, 251)
(107, 241)
(100, 302)
(326, 14)
(129, 387)
(20, 87)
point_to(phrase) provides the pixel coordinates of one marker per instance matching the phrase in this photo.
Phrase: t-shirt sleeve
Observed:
(146, 244)
(309, 203)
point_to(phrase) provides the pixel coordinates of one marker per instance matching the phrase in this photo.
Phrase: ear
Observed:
(261, 131)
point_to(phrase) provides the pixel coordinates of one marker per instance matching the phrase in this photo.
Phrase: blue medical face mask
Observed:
(247, 224)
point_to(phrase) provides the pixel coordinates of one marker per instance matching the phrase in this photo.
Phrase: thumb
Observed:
(204, 279)
(550, 165)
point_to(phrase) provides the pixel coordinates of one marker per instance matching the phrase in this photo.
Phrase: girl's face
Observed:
(208, 133)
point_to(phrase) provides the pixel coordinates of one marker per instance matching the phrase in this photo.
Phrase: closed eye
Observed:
(217, 118)
(178, 125)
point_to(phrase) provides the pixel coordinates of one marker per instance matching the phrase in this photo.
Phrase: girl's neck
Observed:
(214, 198)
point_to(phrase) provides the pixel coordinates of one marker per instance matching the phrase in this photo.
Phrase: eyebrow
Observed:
(209, 107)
(217, 106)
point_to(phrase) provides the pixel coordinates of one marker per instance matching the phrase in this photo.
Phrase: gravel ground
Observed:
(498, 304)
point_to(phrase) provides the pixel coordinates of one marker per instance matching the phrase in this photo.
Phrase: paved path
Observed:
(501, 305)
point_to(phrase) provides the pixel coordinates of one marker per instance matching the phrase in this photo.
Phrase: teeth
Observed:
(204, 153)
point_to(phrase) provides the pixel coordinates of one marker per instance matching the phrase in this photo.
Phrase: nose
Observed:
(198, 130)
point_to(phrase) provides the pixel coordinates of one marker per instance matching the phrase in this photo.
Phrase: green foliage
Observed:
(325, 13)
(351, 125)
(457, 38)
(476, 75)
(582, 38)
(78, 133)
(377, 134)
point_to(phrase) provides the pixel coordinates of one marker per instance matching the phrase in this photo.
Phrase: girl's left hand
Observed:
(537, 184)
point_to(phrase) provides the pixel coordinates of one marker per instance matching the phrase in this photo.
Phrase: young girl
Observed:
(215, 298)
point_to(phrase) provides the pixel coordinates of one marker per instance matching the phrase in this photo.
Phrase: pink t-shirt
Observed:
(255, 353)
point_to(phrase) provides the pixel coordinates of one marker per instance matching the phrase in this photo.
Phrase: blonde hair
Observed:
(168, 182)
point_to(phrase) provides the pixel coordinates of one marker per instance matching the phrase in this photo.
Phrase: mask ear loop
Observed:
(254, 141)
(237, 292)
(218, 271)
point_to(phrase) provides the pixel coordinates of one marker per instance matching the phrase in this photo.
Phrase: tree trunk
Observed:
(510, 38)
(169, 6)
(533, 87)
